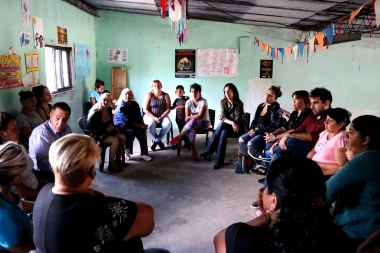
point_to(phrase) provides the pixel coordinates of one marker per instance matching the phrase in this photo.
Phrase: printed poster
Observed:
(185, 63)
(25, 39)
(10, 71)
(38, 29)
(266, 68)
(25, 12)
(218, 62)
(82, 61)
(118, 55)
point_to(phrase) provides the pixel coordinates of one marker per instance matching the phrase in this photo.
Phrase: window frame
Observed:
(70, 67)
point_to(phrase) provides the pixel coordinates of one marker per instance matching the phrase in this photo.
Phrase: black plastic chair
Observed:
(83, 125)
(211, 113)
(158, 125)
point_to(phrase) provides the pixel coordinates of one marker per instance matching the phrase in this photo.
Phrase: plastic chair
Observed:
(211, 113)
(83, 125)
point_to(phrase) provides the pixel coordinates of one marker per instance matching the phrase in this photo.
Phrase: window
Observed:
(59, 68)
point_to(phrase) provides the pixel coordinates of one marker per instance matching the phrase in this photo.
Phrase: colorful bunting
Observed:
(330, 33)
(311, 45)
(319, 37)
(256, 41)
(377, 12)
(354, 13)
(263, 46)
(281, 50)
(287, 52)
(301, 47)
(272, 53)
(295, 51)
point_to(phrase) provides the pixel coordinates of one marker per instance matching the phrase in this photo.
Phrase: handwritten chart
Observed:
(218, 62)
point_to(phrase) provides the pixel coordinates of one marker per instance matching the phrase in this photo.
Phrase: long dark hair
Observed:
(39, 92)
(302, 220)
(237, 100)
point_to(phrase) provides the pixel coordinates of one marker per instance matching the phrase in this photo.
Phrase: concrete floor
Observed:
(192, 201)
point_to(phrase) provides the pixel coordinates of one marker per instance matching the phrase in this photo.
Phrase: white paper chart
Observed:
(217, 62)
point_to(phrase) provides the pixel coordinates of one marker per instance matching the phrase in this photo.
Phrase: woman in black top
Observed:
(294, 218)
(100, 124)
(267, 119)
(44, 99)
(232, 122)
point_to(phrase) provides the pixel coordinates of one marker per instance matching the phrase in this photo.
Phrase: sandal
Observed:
(260, 170)
(175, 140)
(194, 156)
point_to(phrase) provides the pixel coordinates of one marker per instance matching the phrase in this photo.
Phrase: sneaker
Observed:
(127, 156)
(145, 157)
(258, 155)
(255, 204)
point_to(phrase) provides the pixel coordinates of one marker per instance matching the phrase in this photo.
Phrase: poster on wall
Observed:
(62, 35)
(25, 12)
(25, 39)
(218, 62)
(266, 68)
(82, 61)
(185, 63)
(32, 69)
(38, 29)
(118, 55)
(10, 71)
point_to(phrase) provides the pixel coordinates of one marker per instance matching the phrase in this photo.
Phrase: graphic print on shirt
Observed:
(118, 210)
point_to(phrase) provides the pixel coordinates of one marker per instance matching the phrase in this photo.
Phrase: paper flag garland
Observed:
(377, 12)
(311, 44)
(263, 46)
(301, 47)
(295, 51)
(319, 38)
(329, 32)
(287, 52)
(354, 13)
(281, 50)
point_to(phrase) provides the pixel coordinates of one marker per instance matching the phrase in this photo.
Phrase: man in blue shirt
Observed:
(44, 135)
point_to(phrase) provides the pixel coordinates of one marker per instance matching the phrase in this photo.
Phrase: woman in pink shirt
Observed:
(329, 151)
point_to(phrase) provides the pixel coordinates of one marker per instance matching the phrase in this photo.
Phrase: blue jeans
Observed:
(219, 142)
(294, 147)
(166, 124)
(257, 142)
(156, 250)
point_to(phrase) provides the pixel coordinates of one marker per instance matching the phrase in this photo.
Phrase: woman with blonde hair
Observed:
(100, 124)
(156, 109)
(16, 227)
(128, 118)
(88, 221)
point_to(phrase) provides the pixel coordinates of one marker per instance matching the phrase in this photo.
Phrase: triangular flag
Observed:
(276, 53)
(330, 33)
(281, 50)
(272, 52)
(269, 50)
(295, 51)
(311, 44)
(319, 37)
(354, 13)
(377, 12)
(263, 46)
(256, 41)
(301, 47)
(287, 52)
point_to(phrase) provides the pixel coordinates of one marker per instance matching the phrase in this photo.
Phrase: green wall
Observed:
(81, 29)
(348, 70)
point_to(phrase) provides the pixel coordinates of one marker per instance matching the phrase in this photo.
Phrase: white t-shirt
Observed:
(196, 109)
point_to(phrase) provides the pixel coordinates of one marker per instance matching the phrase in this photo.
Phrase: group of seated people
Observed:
(312, 166)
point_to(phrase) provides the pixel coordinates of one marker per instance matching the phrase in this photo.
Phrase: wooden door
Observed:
(119, 81)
